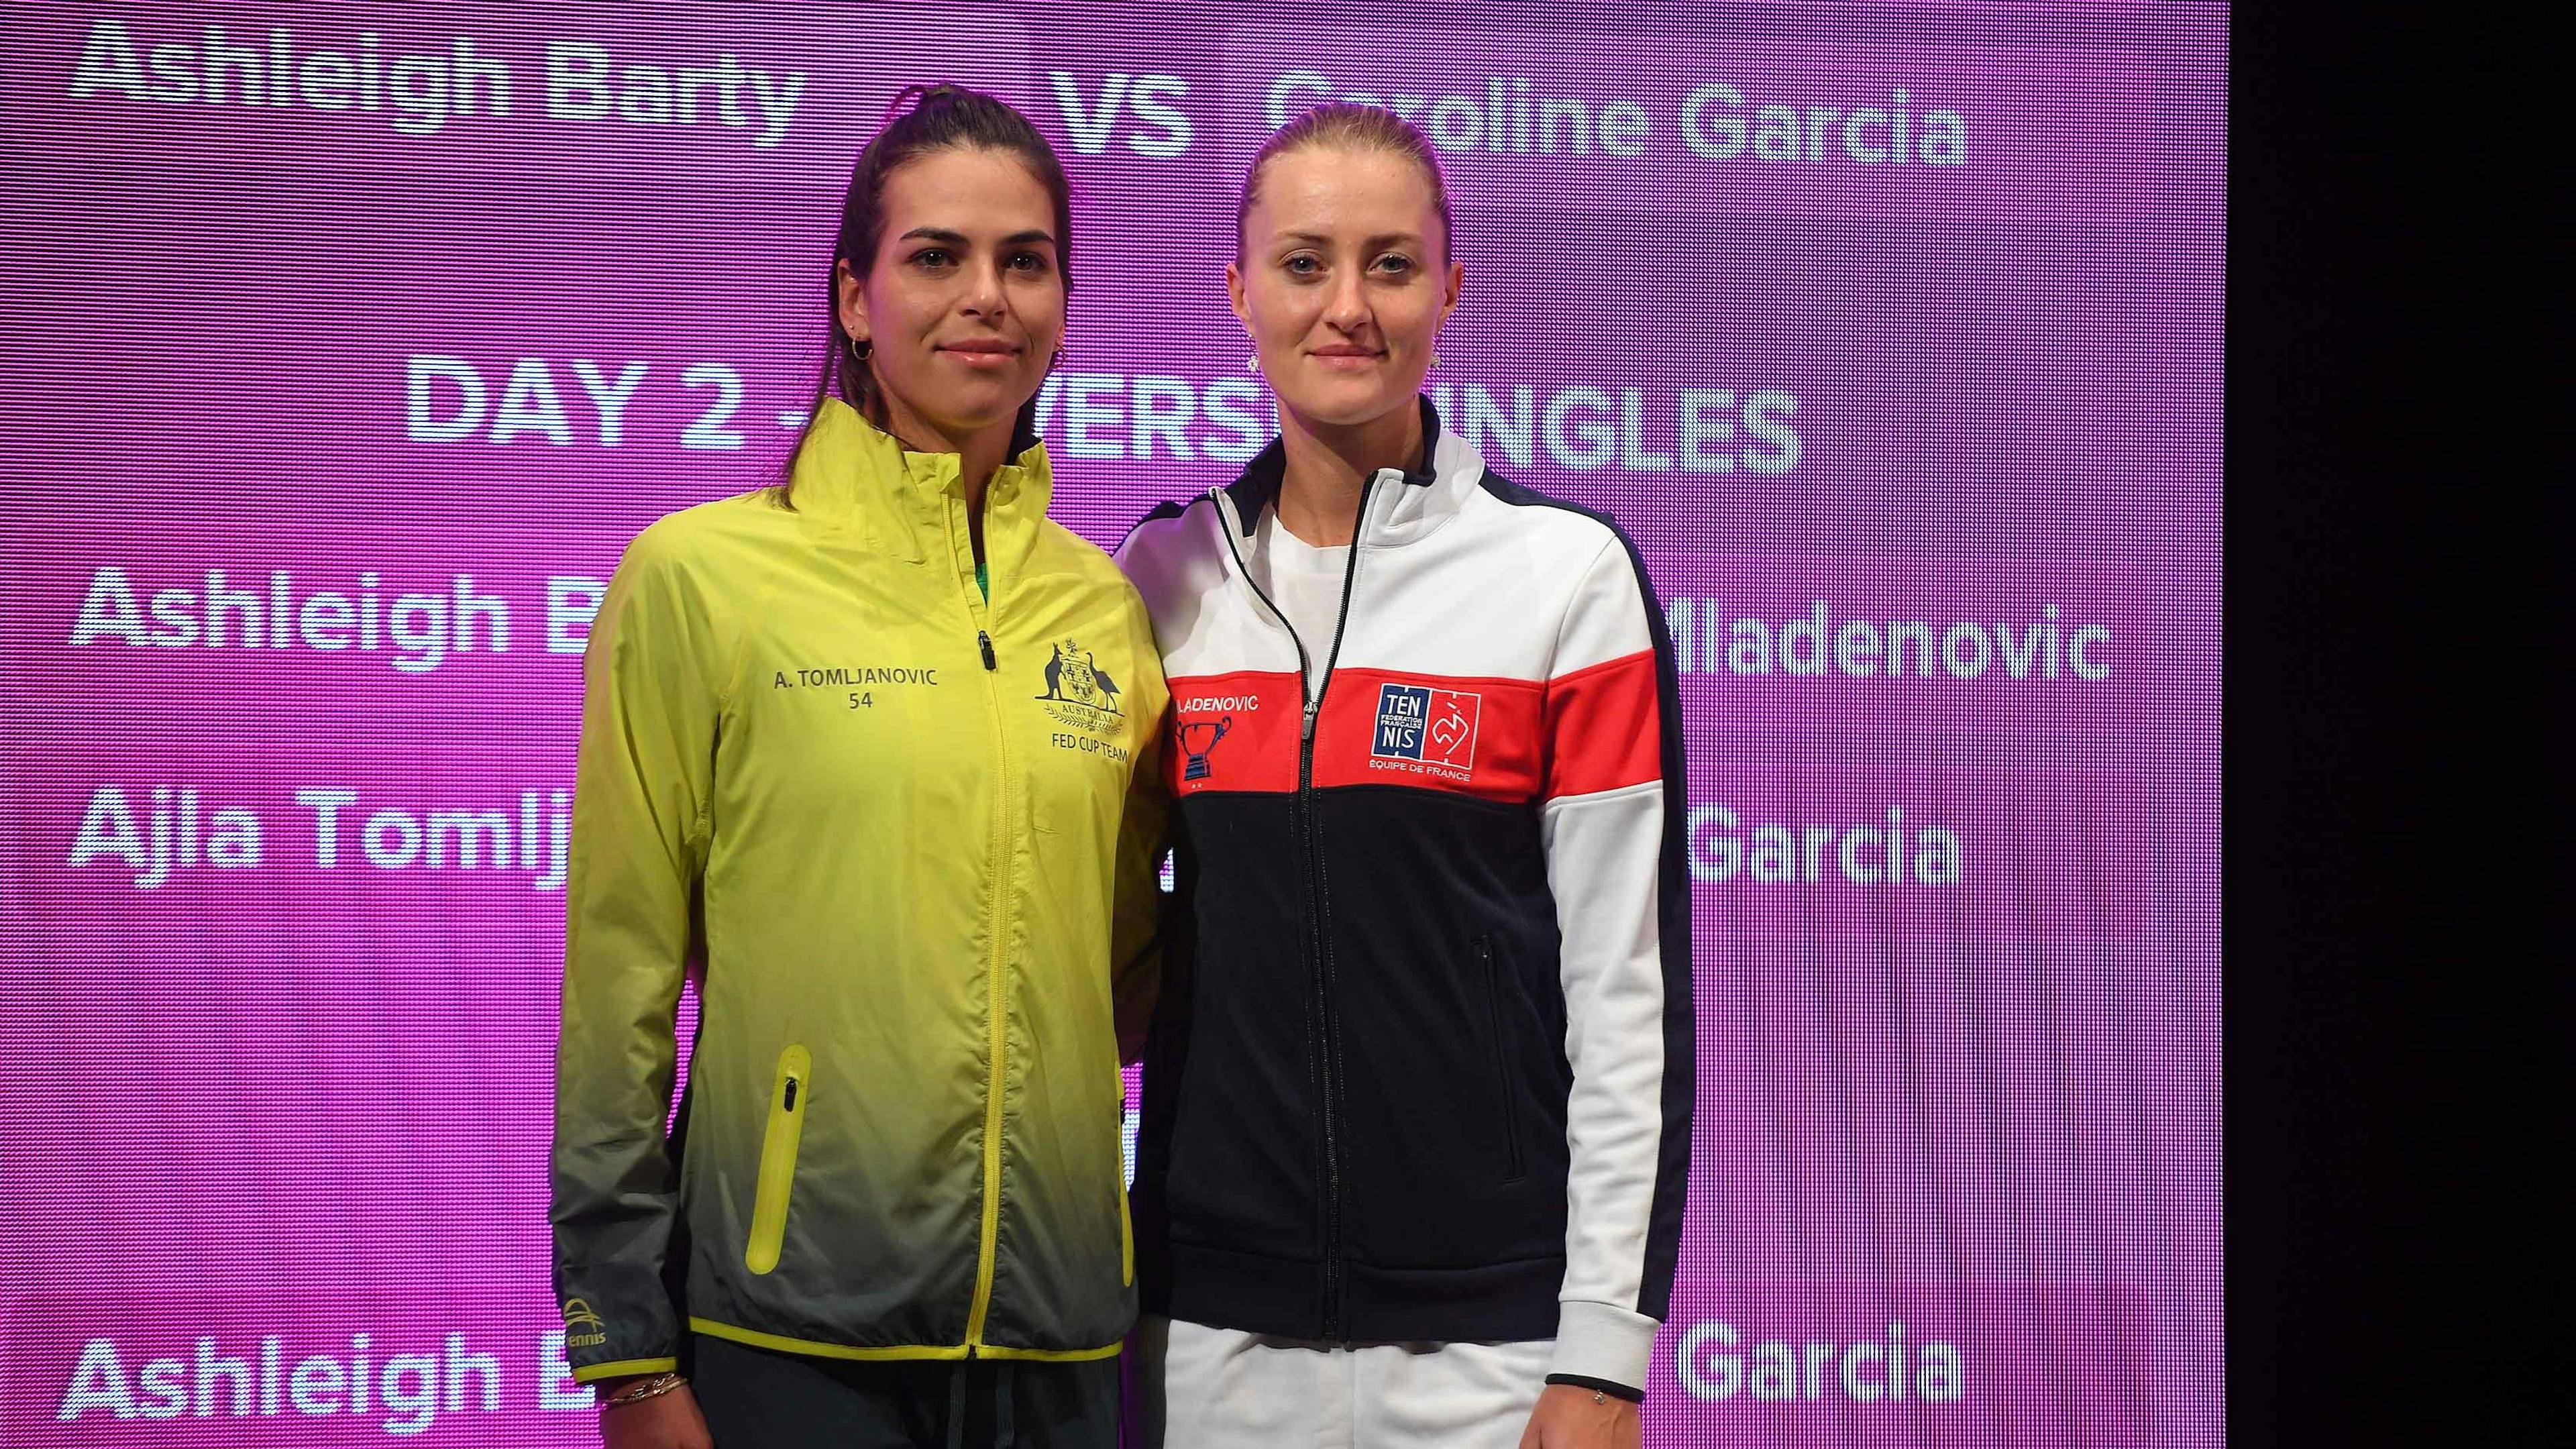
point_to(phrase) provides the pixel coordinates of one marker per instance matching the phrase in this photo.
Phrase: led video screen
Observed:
(353, 342)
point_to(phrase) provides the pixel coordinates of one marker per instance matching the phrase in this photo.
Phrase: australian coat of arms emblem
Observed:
(1078, 691)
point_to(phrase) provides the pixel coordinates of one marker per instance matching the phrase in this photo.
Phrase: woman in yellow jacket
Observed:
(873, 752)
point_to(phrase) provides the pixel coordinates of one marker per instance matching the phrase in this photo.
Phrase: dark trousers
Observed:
(757, 1398)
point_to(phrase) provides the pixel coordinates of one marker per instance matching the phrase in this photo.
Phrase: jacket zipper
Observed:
(1311, 873)
(994, 969)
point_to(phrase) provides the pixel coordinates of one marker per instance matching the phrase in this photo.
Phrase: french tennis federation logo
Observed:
(1434, 726)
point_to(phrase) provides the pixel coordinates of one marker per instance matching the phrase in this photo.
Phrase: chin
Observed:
(1350, 406)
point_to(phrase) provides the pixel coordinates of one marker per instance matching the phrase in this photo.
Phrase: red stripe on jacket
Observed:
(1604, 727)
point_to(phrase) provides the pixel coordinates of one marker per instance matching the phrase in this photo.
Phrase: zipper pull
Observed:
(1307, 730)
(986, 641)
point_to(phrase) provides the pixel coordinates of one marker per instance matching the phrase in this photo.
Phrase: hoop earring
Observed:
(861, 348)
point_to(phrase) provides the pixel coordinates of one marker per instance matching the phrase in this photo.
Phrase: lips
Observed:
(1346, 358)
(983, 354)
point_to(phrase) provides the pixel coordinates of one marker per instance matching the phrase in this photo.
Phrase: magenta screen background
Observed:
(279, 1100)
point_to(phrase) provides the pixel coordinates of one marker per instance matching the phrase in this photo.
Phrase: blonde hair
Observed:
(1344, 126)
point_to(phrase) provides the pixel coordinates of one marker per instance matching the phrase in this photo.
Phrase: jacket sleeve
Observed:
(650, 699)
(1141, 909)
(1612, 826)
(1136, 915)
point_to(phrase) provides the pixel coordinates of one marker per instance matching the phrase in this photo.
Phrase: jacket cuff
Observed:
(618, 1319)
(625, 1368)
(1600, 1345)
(1599, 1386)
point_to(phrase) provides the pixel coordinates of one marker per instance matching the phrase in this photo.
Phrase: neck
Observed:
(1328, 464)
(979, 452)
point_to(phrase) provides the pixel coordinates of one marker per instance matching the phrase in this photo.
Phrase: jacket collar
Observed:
(1403, 504)
(852, 475)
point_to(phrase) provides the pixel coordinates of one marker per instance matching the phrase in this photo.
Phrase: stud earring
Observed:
(1252, 364)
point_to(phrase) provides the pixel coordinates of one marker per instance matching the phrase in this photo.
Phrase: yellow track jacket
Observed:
(905, 834)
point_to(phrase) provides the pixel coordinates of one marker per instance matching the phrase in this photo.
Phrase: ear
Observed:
(1450, 287)
(850, 299)
(1234, 296)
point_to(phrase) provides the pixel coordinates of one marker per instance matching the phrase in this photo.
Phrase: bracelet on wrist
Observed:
(636, 1393)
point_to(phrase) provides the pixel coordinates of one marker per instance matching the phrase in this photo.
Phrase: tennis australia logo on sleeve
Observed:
(582, 1327)
(1421, 730)
(1078, 691)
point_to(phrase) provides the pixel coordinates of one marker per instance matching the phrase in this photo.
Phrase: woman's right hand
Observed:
(664, 1421)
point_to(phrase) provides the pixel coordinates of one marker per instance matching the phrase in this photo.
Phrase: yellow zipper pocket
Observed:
(787, 1103)
(1126, 1223)
(1126, 1244)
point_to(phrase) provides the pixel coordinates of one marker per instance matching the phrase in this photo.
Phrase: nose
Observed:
(1346, 306)
(983, 296)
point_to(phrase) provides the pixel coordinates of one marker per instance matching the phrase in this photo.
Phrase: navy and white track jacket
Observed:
(1422, 1065)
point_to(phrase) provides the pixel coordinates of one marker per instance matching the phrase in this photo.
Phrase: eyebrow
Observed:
(958, 238)
(1316, 238)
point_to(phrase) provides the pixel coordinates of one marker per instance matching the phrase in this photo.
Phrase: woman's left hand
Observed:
(1567, 1418)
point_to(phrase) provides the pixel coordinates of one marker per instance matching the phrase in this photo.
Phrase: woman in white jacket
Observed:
(1418, 1088)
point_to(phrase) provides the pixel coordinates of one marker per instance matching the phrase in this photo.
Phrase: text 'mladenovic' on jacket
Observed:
(899, 826)
(1422, 1065)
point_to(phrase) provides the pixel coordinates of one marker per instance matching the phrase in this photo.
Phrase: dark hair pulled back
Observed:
(923, 120)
